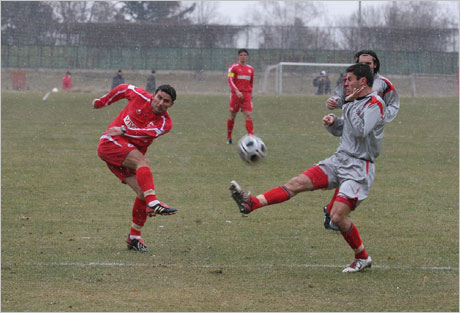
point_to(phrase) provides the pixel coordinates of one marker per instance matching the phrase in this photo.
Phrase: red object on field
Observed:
(19, 80)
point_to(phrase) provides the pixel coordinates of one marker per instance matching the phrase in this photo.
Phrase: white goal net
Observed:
(297, 78)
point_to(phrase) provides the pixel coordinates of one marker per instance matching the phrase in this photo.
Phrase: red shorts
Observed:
(236, 104)
(113, 150)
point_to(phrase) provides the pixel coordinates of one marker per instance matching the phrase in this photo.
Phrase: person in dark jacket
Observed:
(118, 79)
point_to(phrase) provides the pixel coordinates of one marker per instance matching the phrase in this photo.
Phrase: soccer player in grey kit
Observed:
(384, 88)
(351, 169)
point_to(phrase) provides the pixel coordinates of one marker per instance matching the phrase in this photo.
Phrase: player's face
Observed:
(243, 57)
(351, 82)
(161, 102)
(367, 59)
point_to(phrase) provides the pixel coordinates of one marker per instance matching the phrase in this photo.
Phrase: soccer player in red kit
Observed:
(124, 144)
(241, 80)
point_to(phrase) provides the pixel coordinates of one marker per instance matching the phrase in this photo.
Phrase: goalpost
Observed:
(278, 68)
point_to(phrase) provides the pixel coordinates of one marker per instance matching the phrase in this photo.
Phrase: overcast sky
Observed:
(236, 11)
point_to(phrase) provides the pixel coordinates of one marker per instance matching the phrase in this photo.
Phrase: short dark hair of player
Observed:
(169, 90)
(372, 54)
(243, 50)
(361, 70)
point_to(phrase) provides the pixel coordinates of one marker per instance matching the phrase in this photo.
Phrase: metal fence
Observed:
(211, 59)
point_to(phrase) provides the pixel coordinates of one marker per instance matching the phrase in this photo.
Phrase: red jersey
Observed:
(142, 125)
(240, 77)
(67, 82)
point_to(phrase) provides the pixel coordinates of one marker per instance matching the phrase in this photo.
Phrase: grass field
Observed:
(65, 216)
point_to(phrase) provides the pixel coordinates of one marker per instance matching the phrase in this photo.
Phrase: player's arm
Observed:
(117, 93)
(391, 98)
(374, 112)
(333, 124)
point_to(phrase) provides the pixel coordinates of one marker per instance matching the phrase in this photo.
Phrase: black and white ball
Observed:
(252, 149)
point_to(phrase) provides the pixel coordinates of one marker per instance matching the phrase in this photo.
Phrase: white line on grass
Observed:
(116, 264)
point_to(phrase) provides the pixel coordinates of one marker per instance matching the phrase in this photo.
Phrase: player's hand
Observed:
(354, 95)
(328, 120)
(97, 104)
(239, 94)
(114, 131)
(332, 103)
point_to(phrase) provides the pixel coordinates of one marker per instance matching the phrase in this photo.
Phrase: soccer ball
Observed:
(251, 149)
(54, 89)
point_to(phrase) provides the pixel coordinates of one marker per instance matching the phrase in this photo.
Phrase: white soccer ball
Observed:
(252, 149)
(54, 89)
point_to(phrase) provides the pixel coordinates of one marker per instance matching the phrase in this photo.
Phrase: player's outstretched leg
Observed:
(242, 199)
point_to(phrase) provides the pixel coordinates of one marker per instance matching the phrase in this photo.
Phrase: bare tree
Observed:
(410, 26)
(205, 13)
(283, 24)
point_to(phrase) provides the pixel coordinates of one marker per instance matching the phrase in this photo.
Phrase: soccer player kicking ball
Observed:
(351, 169)
(125, 142)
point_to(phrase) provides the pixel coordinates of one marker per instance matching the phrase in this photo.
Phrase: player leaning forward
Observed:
(125, 142)
(351, 169)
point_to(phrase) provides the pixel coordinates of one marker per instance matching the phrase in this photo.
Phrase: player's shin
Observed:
(250, 127)
(139, 218)
(273, 196)
(353, 238)
(144, 178)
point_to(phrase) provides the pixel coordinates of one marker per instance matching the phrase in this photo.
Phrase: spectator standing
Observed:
(67, 83)
(322, 84)
(151, 84)
(118, 79)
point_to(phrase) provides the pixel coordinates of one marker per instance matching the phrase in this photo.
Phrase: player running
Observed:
(351, 169)
(124, 144)
(384, 88)
(240, 78)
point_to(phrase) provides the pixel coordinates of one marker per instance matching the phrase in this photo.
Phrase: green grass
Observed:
(65, 216)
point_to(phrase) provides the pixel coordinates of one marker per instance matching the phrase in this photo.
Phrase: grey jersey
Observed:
(361, 127)
(385, 89)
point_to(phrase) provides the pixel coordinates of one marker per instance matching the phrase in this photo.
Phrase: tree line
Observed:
(394, 26)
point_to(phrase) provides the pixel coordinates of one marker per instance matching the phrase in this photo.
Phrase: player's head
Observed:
(370, 58)
(361, 70)
(243, 50)
(169, 90)
(163, 99)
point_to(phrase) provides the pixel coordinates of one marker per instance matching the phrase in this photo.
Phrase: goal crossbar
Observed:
(279, 72)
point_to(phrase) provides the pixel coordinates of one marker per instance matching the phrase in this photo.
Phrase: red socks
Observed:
(145, 180)
(230, 124)
(354, 240)
(273, 196)
(250, 127)
(139, 217)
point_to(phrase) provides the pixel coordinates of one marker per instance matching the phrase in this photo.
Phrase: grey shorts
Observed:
(352, 176)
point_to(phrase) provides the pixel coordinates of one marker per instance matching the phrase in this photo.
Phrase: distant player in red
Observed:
(67, 81)
(241, 80)
(124, 144)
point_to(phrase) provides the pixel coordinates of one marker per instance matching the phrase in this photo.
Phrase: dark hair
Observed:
(243, 50)
(153, 71)
(362, 70)
(169, 90)
(372, 54)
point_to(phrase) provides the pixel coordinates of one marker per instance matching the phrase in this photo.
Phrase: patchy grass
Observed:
(65, 216)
